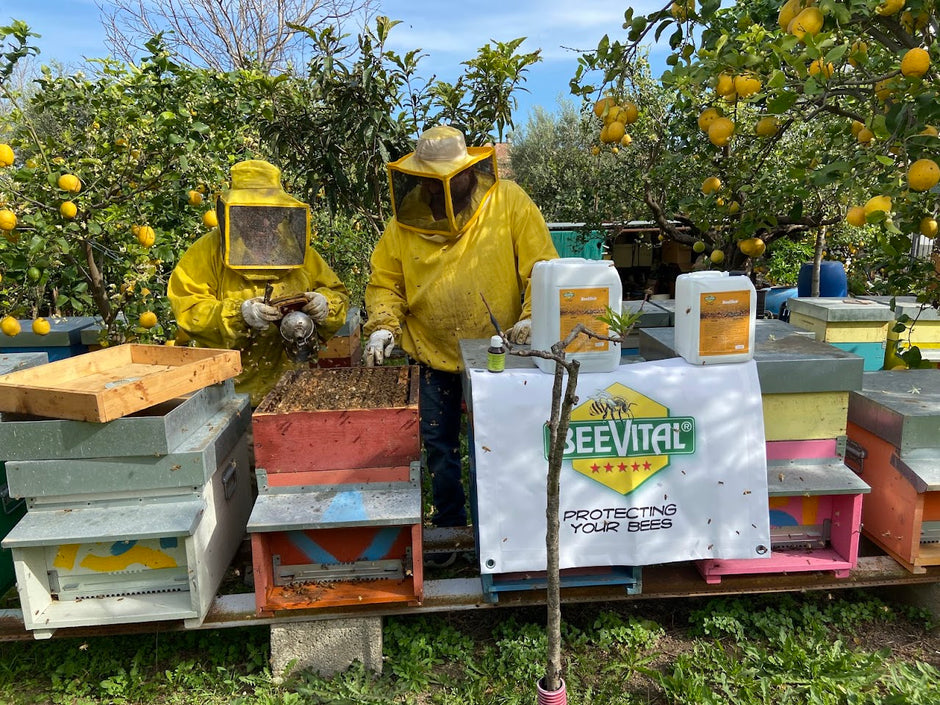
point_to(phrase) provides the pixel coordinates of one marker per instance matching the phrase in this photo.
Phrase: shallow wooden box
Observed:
(107, 384)
(337, 419)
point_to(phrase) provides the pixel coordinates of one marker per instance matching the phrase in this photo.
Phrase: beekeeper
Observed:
(458, 234)
(222, 288)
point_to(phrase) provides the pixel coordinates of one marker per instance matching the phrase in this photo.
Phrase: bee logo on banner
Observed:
(621, 438)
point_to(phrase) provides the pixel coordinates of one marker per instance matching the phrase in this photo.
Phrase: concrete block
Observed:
(326, 647)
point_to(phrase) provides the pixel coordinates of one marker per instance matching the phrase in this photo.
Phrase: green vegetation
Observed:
(818, 648)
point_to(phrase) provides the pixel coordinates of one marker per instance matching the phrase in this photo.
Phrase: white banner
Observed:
(664, 461)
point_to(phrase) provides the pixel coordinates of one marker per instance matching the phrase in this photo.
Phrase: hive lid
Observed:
(840, 310)
(901, 407)
(788, 360)
(11, 362)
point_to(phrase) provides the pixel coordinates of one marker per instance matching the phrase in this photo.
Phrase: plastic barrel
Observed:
(832, 280)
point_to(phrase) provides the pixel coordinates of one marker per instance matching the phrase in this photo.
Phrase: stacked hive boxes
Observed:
(11, 508)
(814, 498)
(338, 515)
(63, 340)
(134, 517)
(894, 431)
(858, 326)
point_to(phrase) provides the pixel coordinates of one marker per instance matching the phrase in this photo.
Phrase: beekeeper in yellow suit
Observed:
(458, 234)
(222, 287)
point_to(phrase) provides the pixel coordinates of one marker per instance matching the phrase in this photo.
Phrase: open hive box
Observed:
(107, 384)
(338, 515)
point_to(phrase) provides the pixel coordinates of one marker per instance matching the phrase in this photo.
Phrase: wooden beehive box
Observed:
(107, 384)
(345, 348)
(894, 424)
(111, 540)
(859, 326)
(337, 521)
(338, 419)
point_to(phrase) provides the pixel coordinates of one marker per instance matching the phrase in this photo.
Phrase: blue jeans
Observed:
(440, 400)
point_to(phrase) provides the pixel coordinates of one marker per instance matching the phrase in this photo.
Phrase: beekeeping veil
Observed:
(264, 229)
(439, 189)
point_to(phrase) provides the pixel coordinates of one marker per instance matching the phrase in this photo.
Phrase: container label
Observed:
(724, 323)
(584, 306)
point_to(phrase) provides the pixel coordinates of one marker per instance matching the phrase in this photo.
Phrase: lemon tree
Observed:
(853, 94)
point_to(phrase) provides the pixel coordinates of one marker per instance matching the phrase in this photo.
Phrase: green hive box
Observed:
(12, 510)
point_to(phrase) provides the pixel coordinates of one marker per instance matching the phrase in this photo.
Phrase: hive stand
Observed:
(110, 538)
(338, 516)
(894, 422)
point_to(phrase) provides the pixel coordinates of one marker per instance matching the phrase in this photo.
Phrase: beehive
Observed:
(858, 326)
(338, 516)
(894, 424)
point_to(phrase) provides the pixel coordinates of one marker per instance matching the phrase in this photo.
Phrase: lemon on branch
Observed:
(923, 175)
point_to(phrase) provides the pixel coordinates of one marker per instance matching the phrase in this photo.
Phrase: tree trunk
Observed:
(817, 259)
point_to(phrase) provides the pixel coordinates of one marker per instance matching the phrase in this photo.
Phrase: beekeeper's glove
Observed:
(258, 314)
(380, 345)
(521, 333)
(317, 306)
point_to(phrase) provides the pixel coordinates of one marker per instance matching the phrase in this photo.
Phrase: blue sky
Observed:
(448, 32)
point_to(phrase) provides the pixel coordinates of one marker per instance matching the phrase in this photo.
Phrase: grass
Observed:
(814, 649)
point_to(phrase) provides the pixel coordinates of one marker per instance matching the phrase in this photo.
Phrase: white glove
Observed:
(317, 306)
(521, 333)
(380, 345)
(258, 314)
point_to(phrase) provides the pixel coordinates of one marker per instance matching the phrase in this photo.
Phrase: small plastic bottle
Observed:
(496, 355)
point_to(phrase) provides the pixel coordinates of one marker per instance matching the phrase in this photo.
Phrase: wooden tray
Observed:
(110, 383)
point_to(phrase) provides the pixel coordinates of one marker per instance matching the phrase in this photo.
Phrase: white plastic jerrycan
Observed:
(715, 317)
(572, 290)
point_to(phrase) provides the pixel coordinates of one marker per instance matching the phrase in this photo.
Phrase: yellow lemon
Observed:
(928, 227)
(194, 198)
(733, 207)
(858, 53)
(884, 89)
(767, 126)
(148, 319)
(752, 246)
(914, 23)
(725, 84)
(615, 150)
(707, 117)
(890, 7)
(820, 68)
(923, 174)
(878, 203)
(915, 62)
(7, 219)
(746, 86)
(68, 210)
(717, 256)
(41, 326)
(788, 11)
(10, 326)
(865, 135)
(720, 131)
(146, 235)
(210, 220)
(6, 155)
(70, 183)
(626, 140)
(628, 114)
(595, 150)
(809, 21)
(615, 131)
(856, 216)
(930, 131)
(603, 105)
(698, 246)
(711, 185)
(857, 127)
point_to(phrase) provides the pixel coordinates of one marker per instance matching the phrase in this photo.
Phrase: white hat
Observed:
(440, 151)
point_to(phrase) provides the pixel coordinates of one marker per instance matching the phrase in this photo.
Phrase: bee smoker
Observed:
(298, 331)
